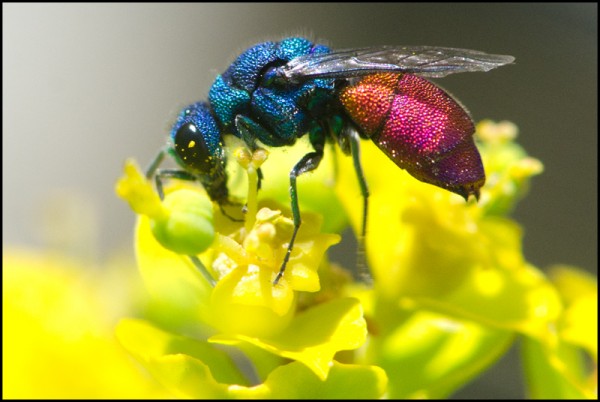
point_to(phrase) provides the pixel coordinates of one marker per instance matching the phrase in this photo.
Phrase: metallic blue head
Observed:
(197, 146)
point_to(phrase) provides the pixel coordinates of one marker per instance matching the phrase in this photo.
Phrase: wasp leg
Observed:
(153, 167)
(172, 174)
(309, 162)
(353, 138)
(231, 218)
(200, 267)
(183, 175)
(260, 178)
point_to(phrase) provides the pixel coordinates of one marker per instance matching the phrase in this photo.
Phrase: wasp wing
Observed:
(426, 61)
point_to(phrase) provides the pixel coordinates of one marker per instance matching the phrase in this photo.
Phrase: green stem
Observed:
(252, 200)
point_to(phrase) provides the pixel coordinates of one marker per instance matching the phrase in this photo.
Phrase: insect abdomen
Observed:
(419, 127)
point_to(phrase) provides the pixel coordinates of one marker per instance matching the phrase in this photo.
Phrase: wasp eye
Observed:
(191, 148)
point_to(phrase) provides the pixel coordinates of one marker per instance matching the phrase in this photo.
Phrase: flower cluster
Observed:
(244, 308)
(451, 292)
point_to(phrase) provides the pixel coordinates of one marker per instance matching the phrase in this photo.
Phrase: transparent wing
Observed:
(427, 61)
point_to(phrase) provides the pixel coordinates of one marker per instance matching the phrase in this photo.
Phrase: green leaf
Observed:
(314, 336)
(522, 300)
(187, 377)
(195, 369)
(427, 355)
(555, 373)
(295, 381)
(189, 367)
(171, 279)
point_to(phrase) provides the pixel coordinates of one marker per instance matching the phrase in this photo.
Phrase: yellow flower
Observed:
(245, 306)
(447, 272)
(245, 300)
(560, 369)
(452, 289)
(57, 338)
(182, 223)
(427, 246)
(579, 292)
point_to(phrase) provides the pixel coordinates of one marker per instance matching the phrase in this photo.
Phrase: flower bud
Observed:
(186, 227)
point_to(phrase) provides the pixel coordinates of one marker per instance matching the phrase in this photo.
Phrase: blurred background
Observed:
(87, 85)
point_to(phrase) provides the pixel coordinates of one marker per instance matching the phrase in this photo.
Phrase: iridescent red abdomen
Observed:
(418, 126)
